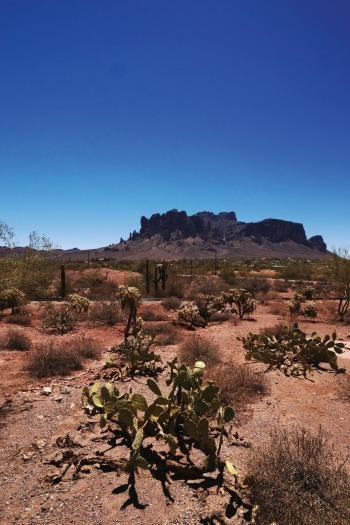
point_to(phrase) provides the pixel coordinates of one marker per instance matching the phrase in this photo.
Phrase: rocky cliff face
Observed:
(223, 229)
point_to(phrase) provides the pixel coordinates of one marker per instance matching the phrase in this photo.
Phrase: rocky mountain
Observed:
(175, 234)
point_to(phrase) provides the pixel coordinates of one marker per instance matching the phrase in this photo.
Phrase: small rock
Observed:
(46, 391)
(58, 399)
(64, 390)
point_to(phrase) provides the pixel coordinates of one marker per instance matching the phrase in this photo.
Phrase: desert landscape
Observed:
(63, 466)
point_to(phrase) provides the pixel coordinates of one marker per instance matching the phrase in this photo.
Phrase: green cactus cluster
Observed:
(237, 301)
(188, 315)
(130, 299)
(183, 418)
(78, 303)
(293, 353)
(295, 307)
(138, 352)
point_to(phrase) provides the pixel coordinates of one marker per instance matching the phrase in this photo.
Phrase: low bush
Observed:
(151, 315)
(16, 340)
(239, 384)
(21, 318)
(296, 479)
(278, 330)
(108, 313)
(171, 303)
(281, 286)
(199, 349)
(167, 334)
(84, 346)
(53, 360)
(59, 319)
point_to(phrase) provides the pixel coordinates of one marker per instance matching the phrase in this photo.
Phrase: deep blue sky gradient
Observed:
(113, 109)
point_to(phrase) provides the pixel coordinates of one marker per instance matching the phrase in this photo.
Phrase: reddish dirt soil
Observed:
(31, 424)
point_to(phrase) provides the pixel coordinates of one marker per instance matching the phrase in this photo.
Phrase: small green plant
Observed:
(308, 292)
(78, 303)
(60, 320)
(295, 304)
(294, 353)
(188, 315)
(179, 419)
(138, 353)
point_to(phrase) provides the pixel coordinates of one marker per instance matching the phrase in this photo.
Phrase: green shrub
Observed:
(296, 479)
(59, 319)
(11, 298)
(78, 303)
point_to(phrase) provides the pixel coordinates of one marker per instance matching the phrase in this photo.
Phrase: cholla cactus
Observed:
(307, 292)
(78, 303)
(188, 314)
(295, 304)
(130, 298)
(11, 298)
(310, 310)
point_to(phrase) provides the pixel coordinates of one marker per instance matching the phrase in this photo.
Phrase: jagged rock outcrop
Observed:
(175, 234)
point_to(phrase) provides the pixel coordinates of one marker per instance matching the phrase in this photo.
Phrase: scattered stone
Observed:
(58, 399)
(46, 391)
(64, 389)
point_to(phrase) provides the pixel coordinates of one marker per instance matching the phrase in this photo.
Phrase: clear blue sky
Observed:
(113, 109)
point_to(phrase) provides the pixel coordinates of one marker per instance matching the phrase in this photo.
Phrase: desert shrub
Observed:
(16, 340)
(167, 334)
(84, 346)
(78, 303)
(278, 308)
(281, 286)
(53, 360)
(60, 320)
(171, 303)
(296, 479)
(255, 285)
(295, 304)
(175, 287)
(135, 281)
(21, 318)
(308, 291)
(344, 388)
(108, 313)
(189, 315)
(151, 315)
(199, 349)
(239, 384)
(297, 270)
(278, 330)
(11, 298)
(228, 275)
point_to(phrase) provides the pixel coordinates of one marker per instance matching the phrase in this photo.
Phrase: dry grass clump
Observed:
(16, 340)
(51, 359)
(278, 308)
(86, 347)
(199, 349)
(239, 384)
(171, 303)
(152, 315)
(60, 359)
(21, 318)
(344, 388)
(278, 330)
(296, 479)
(107, 312)
(167, 334)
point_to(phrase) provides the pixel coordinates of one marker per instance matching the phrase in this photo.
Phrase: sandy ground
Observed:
(31, 424)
